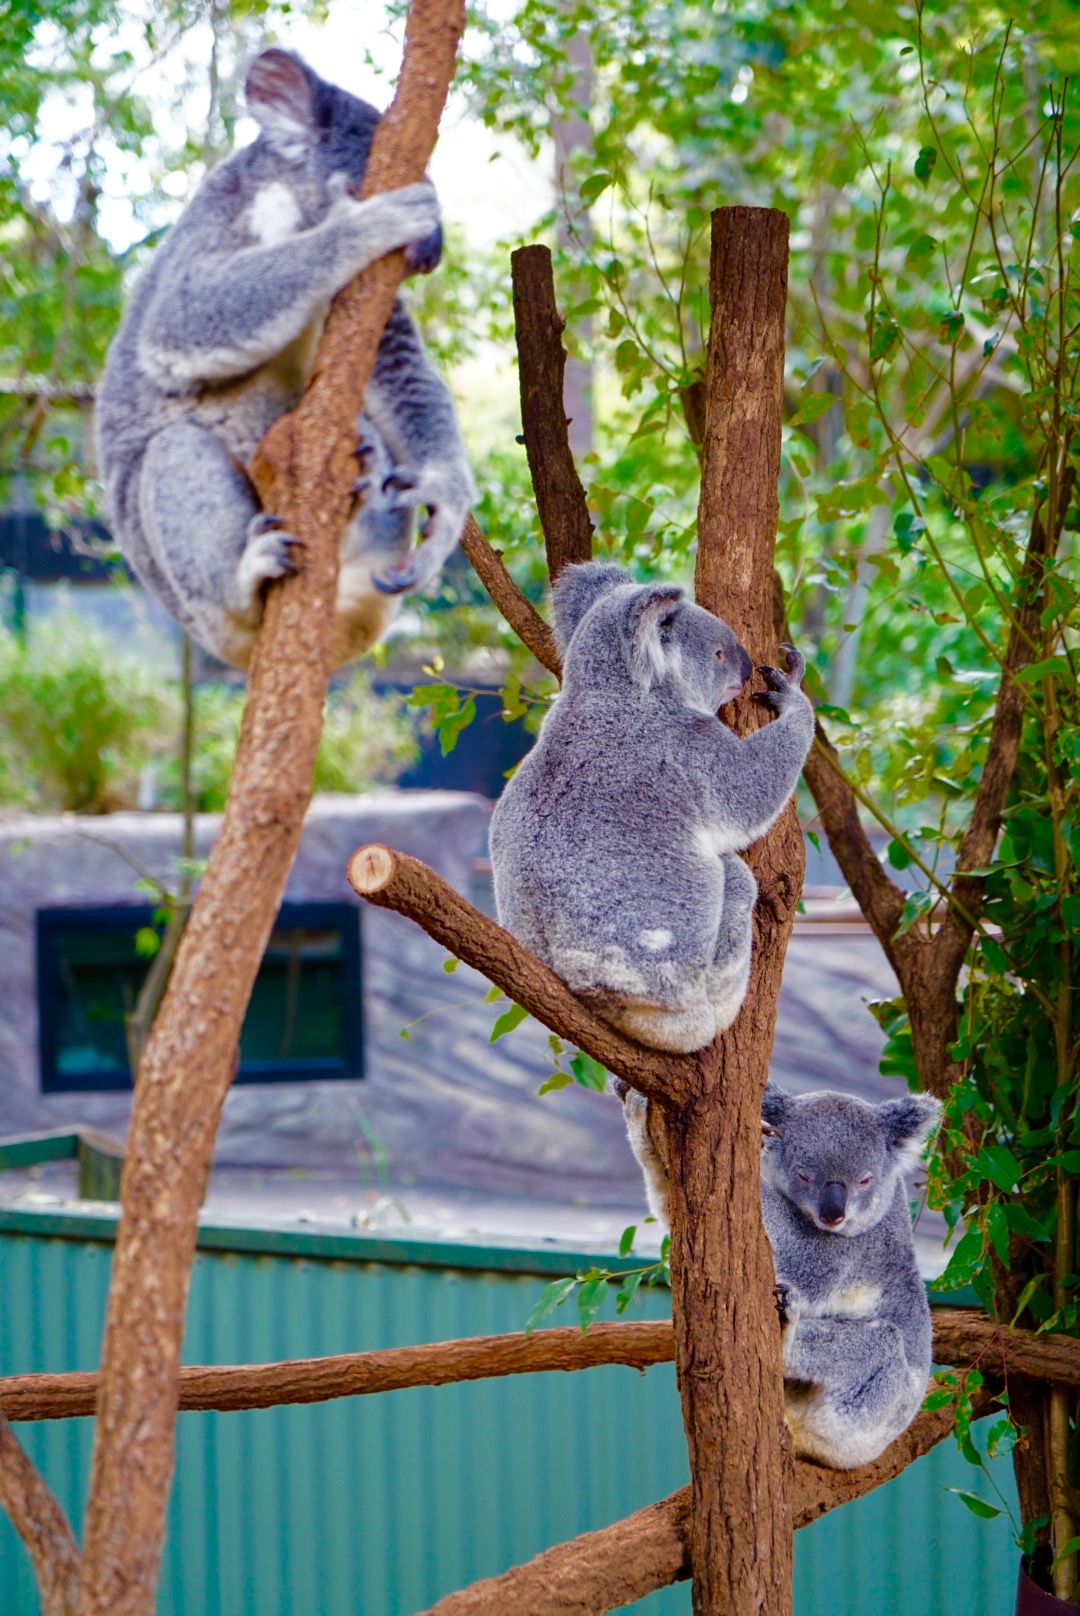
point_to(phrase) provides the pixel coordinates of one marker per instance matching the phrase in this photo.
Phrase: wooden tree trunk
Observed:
(726, 1327)
(190, 1056)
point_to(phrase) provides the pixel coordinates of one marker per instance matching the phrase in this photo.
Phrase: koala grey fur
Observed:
(218, 341)
(855, 1324)
(614, 845)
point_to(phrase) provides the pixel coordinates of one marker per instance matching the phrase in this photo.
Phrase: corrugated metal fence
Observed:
(376, 1506)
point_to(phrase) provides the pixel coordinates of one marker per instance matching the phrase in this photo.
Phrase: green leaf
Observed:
(552, 1085)
(898, 855)
(588, 1072)
(594, 186)
(999, 1165)
(1070, 1548)
(450, 965)
(493, 993)
(907, 527)
(815, 406)
(628, 1290)
(1001, 1438)
(147, 942)
(626, 1240)
(857, 421)
(978, 1506)
(951, 328)
(551, 1297)
(591, 1299)
(924, 167)
(915, 905)
(922, 249)
(507, 1022)
(1055, 667)
(884, 338)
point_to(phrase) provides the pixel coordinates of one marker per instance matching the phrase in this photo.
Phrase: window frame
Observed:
(340, 916)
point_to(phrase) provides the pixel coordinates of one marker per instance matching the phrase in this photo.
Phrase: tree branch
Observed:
(41, 1524)
(520, 613)
(305, 471)
(639, 1344)
(961, 1338)
(538, 328)
(878, 896)
(396, 881)
(619, 1564)
(950, 943)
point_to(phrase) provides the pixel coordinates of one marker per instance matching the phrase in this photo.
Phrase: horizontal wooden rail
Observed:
(359, 1374)
(961, 1337)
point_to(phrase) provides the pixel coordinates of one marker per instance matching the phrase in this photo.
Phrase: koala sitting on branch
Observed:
(854, 1317)
(218, 342)
(614, 846)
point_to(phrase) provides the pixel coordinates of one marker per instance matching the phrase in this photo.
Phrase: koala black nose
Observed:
(833, 1204)
(746, 667)
(421, 257)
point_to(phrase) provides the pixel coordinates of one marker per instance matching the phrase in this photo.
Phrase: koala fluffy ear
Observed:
(646, 614)
(577, 588)
(907, 1124)
(280, 92)
(774, 1103)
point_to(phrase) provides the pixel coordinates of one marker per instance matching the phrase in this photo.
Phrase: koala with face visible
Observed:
(218, 341)
(614, 846)
(854, 1316)
(855, 1323)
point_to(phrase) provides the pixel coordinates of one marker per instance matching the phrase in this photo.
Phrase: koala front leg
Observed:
(657, 1184)
(209, 539)
(754, 778)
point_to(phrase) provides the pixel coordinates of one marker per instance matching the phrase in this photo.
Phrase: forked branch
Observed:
(520, 613)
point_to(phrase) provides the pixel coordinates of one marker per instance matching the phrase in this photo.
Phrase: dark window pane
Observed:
(303, 1020)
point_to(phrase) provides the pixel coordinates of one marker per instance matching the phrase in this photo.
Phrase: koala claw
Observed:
(269, 553)
(787, 1303)
(796, 664)
(399, 482)
(362, 449)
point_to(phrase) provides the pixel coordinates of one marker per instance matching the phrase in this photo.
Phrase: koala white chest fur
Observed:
(855, 1324)
(218, 342)
(614, 847)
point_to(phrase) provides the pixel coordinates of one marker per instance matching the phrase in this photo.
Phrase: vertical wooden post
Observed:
(727, 1332)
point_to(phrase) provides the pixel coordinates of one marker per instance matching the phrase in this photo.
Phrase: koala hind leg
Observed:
(657, 1184)
(849, 1389)
(730, 970)
(207, 534)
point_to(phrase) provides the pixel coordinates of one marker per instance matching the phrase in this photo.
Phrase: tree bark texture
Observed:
(42, 1526)
(397, 881)
(560, 498)
(304, 471)
(620, 1564)
(962, 1338)
(227, 1388)
(520, 613)
(726, 1327)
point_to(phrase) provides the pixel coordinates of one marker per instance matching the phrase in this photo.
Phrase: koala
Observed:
(614, 846)
(855, 1324)
(218, 341)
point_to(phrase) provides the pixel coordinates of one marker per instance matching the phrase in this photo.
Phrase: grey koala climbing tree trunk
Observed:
(741, 1524)
(304, 471)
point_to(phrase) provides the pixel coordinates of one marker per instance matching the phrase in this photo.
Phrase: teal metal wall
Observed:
(376, 1506)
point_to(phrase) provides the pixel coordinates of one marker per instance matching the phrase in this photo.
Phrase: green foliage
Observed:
(79, 719)
(593, 1286)
(85, 726)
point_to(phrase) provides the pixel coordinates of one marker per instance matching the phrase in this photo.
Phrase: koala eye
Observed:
(863, 1182)
(803, 1179)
